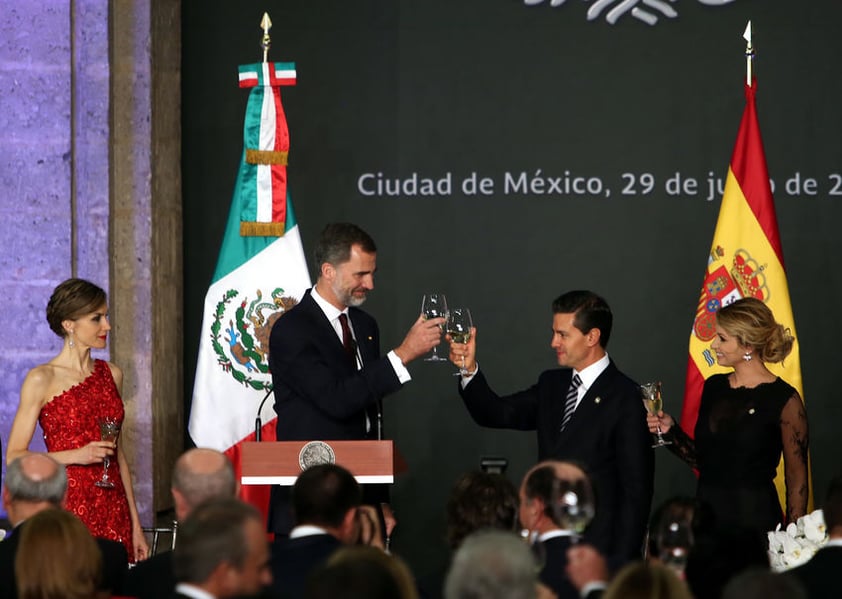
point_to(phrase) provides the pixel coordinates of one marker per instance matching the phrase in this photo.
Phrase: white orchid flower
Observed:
(814, 527)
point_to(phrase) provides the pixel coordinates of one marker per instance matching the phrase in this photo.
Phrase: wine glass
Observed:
(434, 305)
(459, 325)
(109, 429)
(573, 505)
(651, 394)
(674, 539)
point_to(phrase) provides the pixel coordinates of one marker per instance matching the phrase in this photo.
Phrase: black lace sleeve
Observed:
(795, 436)
(682, 445)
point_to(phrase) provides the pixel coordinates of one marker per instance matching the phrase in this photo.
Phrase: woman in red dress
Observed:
(68, 396)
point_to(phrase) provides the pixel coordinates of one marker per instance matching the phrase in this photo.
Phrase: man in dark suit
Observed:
(537, 515)
(821, 575)
(325, 502)
(222, 552)
(587, 412)
(34, 483)
(199, 474)
(324, 354)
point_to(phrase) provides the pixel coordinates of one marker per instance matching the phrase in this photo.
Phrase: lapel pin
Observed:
(751, 411)
(597, 399)
(369, 337)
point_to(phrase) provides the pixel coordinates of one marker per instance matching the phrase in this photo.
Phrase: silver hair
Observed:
(491, 564)
(197, 487)
(22, 488)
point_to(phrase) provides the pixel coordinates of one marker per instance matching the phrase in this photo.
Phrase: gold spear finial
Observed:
(266, 42)
(749, 53)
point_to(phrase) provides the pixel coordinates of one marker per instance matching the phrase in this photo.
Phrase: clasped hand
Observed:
(96, 451)
(662, 420)
(464, 355)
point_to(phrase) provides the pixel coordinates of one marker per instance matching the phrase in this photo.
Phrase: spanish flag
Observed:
(745, 260)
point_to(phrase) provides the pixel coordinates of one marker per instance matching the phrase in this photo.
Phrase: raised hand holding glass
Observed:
(434, 305)
(459, 326)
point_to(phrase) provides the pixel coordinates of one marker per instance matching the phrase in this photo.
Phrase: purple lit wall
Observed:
(54, 171)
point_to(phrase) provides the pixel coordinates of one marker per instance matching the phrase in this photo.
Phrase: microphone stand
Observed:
(258, 423)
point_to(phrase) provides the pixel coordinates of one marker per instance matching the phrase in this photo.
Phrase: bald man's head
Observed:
(33, 482)
(201, 474)
(536, 492)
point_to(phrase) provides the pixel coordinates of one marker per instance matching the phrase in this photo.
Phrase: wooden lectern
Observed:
(277, 462)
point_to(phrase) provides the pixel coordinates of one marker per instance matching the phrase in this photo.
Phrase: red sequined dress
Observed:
(69, 421)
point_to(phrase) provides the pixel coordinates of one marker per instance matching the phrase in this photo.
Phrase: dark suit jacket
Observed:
(294, 559)
(607, 435)
(115, 563)
(319, 394)
(822, 574)
(555, 561)
(152, 578)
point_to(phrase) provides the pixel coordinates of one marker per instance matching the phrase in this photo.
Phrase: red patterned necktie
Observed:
(348, 339)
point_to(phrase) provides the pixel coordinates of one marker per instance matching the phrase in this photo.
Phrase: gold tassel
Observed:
(255, 229)
(266, 157)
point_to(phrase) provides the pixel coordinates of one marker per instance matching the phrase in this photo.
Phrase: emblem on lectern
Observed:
(315, 453)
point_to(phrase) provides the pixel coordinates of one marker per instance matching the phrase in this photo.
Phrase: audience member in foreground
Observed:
(538, 517)
(57, 558)
(362, 572)
(821, 576)
(586, 411)
(326, 510)
(587, 570)
(222, 552)
(477, 500)
(763, 584)
(492, 564)
(199, 474)
(718, 557)
(646, 581)
(36, 483)
(480, 500)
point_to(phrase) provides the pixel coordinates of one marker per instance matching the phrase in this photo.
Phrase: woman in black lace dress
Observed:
(746, 419)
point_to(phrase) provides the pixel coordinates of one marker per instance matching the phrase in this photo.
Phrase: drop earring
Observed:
(70, 343)
(747, 356)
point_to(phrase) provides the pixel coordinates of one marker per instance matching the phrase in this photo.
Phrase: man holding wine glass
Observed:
(585, 412)
(328, 373)
(550, 525)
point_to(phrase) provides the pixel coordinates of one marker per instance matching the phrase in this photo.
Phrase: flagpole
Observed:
(749, 53)
(265, 42)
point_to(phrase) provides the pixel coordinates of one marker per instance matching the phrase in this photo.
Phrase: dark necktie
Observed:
(348, 339)
(570, 402)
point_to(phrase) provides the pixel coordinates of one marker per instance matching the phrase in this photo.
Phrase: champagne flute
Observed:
(109, 429)
(573, 505)
(459, 325)
(434, 305)
(674, 539)
(651, 394)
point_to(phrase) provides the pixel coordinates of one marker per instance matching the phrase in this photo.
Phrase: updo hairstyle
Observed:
(753, 324)
(73, 299)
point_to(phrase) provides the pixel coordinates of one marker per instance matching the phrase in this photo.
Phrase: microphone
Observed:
(258, 423)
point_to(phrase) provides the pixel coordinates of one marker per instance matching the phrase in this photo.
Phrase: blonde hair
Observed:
(753, 324)
(646, 581)
(57, 558)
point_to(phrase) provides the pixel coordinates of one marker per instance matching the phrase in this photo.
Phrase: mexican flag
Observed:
(261, 273)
